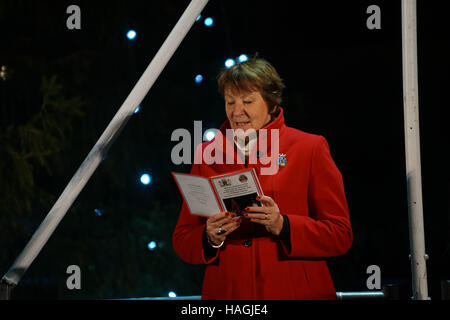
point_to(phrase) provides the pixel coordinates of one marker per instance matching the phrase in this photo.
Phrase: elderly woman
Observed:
(278, 250)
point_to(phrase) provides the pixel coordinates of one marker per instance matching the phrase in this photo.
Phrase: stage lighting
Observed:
(229, 63)
(172, 294)
(209, 134)
(146, 178)
(151, 245)
(242, 58)
(198, 78)
(131, 34)
(98, 212)
(137, 109)
(209, 22)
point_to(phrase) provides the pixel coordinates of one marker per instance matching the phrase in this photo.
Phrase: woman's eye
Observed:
(247, 102)
(230, 103)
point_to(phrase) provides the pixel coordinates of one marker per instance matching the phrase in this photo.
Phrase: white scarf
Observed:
(244, 145)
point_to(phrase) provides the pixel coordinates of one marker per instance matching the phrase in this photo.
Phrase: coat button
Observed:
(247, 243)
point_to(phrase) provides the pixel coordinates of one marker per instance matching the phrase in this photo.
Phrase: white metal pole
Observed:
(95, 156)
(412, 149)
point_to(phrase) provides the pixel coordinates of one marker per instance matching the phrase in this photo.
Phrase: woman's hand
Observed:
(219, 226)
(269, 215)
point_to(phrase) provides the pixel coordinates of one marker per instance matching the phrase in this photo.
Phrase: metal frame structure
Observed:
(388, 292)
(140, 90)
(412, 150)
(100, 149)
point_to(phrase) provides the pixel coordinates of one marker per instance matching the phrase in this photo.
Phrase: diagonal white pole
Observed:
(412, 149)
(95, 156)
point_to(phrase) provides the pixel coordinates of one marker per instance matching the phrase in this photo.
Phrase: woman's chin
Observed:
(243, 127)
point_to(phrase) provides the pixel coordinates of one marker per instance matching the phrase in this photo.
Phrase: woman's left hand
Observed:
(269, 215)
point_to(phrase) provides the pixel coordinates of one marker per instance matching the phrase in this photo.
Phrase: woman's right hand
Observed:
(221, 221)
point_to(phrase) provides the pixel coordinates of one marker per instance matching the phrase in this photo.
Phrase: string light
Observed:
(4, 73)
(242, 58)
(131, 34)
(198, 78)
(146, 178)
(209, 22)
(209, 134)
(229, 63)
(151, 245)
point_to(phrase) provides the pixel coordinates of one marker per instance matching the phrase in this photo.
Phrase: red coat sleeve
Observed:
(187, 238)
(326, 231)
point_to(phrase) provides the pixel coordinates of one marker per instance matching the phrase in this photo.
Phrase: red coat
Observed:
(254, 264)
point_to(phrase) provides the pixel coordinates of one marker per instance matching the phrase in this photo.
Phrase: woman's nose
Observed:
(238, 108)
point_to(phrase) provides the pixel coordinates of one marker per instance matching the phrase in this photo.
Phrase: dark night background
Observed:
(343, 81)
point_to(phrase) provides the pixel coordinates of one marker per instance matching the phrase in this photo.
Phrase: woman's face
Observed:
(246, 110)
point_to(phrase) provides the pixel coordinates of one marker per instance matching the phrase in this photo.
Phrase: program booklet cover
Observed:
(232, 192)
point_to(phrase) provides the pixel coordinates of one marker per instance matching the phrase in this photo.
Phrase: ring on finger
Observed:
(266, 216)
(221, 231)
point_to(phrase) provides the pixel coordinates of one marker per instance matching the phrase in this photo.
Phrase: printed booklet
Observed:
(232, 192)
